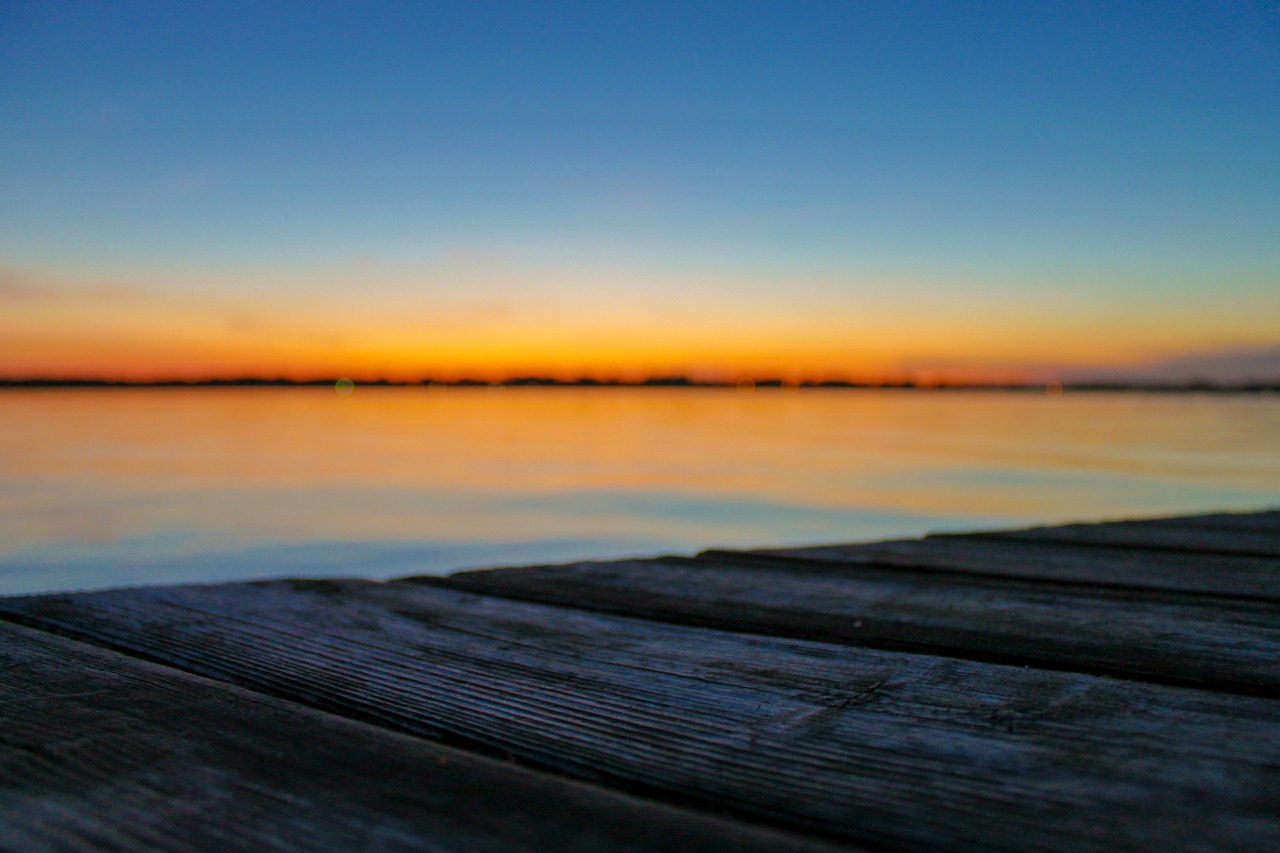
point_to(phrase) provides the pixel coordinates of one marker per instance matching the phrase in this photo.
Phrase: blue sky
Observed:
(1006, 166)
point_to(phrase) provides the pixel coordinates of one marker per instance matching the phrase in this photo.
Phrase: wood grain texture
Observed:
(1232, 646)
(1164, 534)
(100, 751)
(899, 751)
(1250, 577)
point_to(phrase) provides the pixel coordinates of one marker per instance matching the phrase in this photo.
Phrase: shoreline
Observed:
(745, 385)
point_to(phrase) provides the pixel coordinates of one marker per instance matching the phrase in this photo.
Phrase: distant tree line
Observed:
(652, 382)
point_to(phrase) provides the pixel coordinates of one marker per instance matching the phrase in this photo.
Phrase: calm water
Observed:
(109, 487)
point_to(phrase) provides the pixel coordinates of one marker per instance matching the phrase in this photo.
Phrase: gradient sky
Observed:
(962, 190)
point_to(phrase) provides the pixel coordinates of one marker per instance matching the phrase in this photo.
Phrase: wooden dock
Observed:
(1088, 687)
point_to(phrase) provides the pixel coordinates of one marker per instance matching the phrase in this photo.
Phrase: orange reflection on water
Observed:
(215, 468)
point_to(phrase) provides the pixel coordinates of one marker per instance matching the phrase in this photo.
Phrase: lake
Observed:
(110, 487)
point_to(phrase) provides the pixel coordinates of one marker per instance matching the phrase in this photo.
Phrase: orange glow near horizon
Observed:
(162, 357)
(173, 357)
(400, 329)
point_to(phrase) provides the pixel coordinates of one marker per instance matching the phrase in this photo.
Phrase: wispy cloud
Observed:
(1228, 365)
(248, 324)
(22, 286)
(17, 286)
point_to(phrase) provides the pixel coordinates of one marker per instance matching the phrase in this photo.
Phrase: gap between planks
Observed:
(1160, 637)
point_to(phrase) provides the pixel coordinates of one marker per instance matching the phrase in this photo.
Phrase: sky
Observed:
(938, 191)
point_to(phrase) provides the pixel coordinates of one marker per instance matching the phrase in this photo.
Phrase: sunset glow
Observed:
(431, 192)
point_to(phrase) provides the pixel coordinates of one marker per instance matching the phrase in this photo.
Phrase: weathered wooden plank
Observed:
(907, 683)
(102, 751)
(1206, 574)
(1224, 645)
(1167, 534)
(1069, 762)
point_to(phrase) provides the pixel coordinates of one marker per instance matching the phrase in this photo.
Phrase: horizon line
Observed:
(677, 381)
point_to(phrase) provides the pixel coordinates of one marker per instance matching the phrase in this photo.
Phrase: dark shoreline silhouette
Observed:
(653, 382)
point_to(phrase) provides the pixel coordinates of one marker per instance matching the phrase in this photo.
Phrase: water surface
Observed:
(106, 487)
